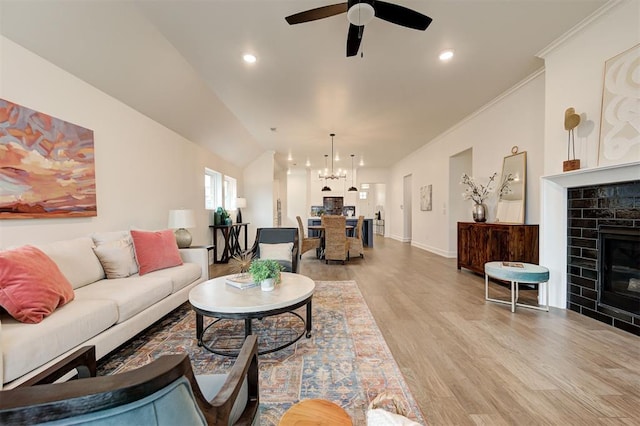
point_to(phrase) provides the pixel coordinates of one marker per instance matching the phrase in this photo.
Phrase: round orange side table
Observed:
(315, 412)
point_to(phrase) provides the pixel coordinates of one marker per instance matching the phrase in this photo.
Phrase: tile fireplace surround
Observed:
(553, 225)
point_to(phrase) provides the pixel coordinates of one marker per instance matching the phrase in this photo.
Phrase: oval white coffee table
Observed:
(217, 299)
(517, 273)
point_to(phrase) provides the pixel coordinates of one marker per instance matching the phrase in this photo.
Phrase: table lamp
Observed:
(179, 220)
(240, 203)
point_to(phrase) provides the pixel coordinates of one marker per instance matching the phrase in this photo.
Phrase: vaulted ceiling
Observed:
(180, 63)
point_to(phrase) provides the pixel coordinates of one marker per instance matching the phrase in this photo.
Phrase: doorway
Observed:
(459, 208)
(406, 208)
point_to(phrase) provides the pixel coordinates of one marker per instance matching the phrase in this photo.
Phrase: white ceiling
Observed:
(180, 63)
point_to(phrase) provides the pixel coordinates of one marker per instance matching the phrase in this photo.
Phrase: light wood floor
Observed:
(468, 361)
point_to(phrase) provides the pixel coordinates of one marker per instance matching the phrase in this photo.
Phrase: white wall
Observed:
(259, 189)
(296, 198)
(515, 118)
(458, 208)
(575, 70)
(142, 168)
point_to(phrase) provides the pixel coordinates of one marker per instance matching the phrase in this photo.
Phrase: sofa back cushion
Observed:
(76, 260)
(31, 285)
(115, 252)
(155, 250)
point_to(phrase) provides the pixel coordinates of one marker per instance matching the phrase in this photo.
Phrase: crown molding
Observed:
(603, 10)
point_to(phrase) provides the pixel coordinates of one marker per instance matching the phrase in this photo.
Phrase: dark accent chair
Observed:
(278, 236)
(163, 392)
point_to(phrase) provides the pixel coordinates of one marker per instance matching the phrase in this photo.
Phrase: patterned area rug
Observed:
(346, 360)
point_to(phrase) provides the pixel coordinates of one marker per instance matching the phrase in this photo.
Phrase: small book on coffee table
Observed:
(241, 281)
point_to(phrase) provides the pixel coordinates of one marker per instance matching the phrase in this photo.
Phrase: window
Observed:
(230, 193)
(363, 195)
(212, 189)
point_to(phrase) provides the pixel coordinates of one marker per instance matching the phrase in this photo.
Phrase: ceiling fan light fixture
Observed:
(446, 55)
(360, 14)
(250, 59)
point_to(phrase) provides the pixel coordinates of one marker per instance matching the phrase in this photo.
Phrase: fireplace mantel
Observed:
(553, 223)
(596, 175)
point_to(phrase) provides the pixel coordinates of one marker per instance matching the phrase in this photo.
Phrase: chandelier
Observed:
(341, 174)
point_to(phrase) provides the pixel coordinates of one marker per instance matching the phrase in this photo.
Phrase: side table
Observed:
(318, 412)
(231, 237)
(83, 361)
(517, 273)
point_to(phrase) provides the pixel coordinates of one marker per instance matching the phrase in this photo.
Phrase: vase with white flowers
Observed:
(478, 193)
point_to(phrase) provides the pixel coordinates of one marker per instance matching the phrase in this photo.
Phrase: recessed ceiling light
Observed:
(445, 55)
(249, 58)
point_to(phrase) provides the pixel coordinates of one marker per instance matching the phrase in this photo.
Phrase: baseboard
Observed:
(399, 238)
(435, 250)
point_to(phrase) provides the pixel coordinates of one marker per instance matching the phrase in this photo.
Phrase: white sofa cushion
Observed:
(76, 260)
(25, 347)
(115, 252)
(132, 295)
(279, 251)
(180, 276)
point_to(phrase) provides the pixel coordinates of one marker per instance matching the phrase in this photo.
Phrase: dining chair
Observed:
(308, 243)
(356, 247)
(336, 246)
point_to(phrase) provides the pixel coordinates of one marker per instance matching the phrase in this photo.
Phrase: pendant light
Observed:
(342, 174)
(325, 187)
(353, 188)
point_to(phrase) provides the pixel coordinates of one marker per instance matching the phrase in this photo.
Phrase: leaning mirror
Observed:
(513, 189)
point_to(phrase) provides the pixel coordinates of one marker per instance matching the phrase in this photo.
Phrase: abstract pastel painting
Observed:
(620, 123)
(47, 167)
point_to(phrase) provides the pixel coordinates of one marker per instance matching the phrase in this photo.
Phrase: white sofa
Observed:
(105, 312)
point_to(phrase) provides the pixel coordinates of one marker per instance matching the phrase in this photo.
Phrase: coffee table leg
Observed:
(199, 328)
(247, 327)
(309, 319)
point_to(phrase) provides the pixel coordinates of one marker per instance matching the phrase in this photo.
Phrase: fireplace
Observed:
(603, 253)
(619, 268)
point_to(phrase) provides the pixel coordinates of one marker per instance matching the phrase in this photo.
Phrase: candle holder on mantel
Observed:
(571, 121)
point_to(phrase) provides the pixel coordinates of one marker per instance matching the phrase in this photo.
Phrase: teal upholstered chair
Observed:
(279, 236)
(163, 392)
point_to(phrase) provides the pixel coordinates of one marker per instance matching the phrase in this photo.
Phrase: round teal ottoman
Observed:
(517, 273)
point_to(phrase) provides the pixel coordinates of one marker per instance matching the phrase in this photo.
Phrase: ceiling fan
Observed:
(360, 13)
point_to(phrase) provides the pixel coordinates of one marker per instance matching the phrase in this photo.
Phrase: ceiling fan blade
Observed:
(353, 39)
(401, 15)
(318, 13)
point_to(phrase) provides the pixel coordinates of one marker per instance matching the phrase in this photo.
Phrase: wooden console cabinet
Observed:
(479, 243)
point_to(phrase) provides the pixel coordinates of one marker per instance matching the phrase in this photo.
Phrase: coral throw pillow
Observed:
(31, 284)
(155, 250)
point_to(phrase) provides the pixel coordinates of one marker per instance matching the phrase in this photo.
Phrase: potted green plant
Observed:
(266, 272)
